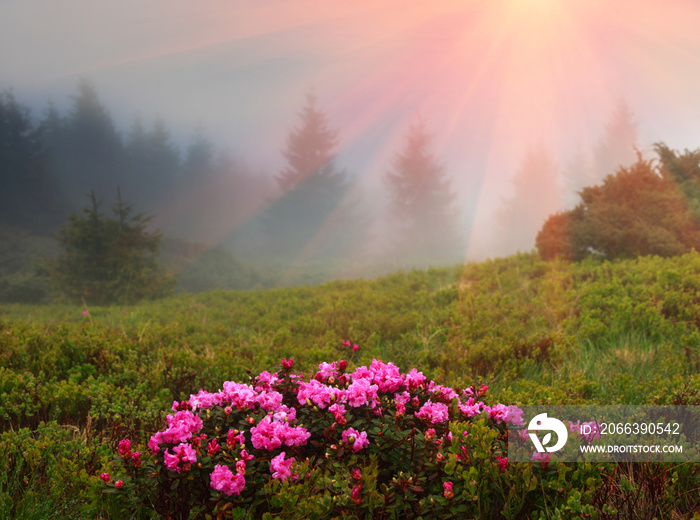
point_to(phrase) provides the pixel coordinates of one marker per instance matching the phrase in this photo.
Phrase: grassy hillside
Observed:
(75, 380)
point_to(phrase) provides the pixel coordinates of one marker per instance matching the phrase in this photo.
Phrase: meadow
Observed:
(74, 381)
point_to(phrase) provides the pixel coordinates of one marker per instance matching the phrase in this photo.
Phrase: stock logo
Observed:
(543, 423)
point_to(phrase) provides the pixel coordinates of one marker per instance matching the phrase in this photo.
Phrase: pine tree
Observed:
(109, 259)
(310, 218)
(422, 204)
(618, 144)
(96, 148)
(537, 195)
(309, 147)
(152, 164)
(27, 189)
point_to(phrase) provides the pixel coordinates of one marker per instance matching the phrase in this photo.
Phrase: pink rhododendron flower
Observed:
(498, 412)
(331, 389)
(183, 452)
(357, 494)
(361, 392)
(387, 377)
(266, 380)
(281, 469)
(181, 426)
(239, 395)
(542, 458)
(401, 400)
(222, 479)
(361, 373)
(502, 463)
(285, 414)
(136, 459)
(269, 400)
(155, 441)
(204, 400)
(515, 416)
(414, 380)
(433, 412)
(470, 408)
(447, 490)
(326, 370)
(105, 477)
(213, 447)
(443, 392)
(270, 435)
(119, 484)
(245, 456)
(315, 392)
(338, 411)
(234, 437)
(358, 439)
(287, 363)
(355, 348)
(124, 449)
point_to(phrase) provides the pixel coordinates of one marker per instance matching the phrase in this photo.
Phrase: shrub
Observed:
(374, 443)
(641, 210)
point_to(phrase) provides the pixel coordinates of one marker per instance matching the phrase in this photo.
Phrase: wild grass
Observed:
(625, 332)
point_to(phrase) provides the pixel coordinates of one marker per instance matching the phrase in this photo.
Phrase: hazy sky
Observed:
(491, 78)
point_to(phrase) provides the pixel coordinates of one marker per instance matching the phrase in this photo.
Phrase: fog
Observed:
(522, 103)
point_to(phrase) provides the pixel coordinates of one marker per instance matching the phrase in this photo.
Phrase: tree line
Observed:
(310, 214)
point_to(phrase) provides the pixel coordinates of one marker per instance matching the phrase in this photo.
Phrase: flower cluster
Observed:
(265, 431)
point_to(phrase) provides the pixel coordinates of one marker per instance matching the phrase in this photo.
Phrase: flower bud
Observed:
(447, 487)
(357, 494)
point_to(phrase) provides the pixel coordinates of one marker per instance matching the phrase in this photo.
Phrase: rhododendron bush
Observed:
(372, 442)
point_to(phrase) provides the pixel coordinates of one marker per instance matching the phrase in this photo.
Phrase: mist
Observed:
(508, 107)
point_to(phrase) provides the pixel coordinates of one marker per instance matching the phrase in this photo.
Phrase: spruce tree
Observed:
(423, 210)
(109, 259)
(96, 150)
(309, 219)
(537, 195)
(27, 189)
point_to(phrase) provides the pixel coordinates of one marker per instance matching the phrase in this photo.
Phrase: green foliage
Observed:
(216, 269)
(23, 277)
(638, 211)
(107, 259)
(620, 332)
(47, 473)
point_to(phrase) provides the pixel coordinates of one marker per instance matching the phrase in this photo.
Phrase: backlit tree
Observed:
(424, 219)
